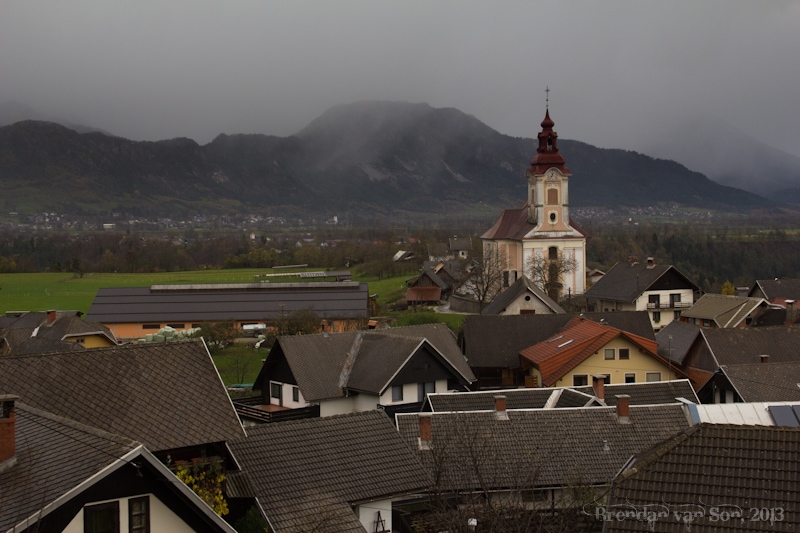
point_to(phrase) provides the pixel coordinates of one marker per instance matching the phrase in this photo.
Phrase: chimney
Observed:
(623, 408)
(764, 358)
(651, 262)
(599, 386)
(8, 446)
(51, 316)
(425, 435)
(500, 408)
(633, 260)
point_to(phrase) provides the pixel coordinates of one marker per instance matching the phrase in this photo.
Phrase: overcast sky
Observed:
(617, 70)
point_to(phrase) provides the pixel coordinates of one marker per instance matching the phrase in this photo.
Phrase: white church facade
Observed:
(540, 235)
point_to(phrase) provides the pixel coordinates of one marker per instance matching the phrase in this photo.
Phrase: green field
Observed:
(67, 291)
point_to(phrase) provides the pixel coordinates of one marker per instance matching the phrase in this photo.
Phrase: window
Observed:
(177, 326)
(609, 354)
(101, 518)
(552, 253)
(295, 394)
(624, 353)
(80, 340)
(275, 390)
(656, 316)
(676, 315)
(423, 389)
(654, 301)
(552, 196)
(195, 326)
(653, 376)
(580, 381)
(706, 323)
(630, 378)
(151, 326)
(674, 299)
(553, 217)
(397, 393)
(139, 515)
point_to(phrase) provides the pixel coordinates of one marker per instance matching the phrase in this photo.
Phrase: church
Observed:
(539, 239)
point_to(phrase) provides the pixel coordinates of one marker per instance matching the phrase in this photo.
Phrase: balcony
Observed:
(671, 305)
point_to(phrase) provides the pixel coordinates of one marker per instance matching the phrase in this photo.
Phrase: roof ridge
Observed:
(80, 426)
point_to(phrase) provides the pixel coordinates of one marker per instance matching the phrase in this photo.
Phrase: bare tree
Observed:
(481, 483)
(548, 271)
(484, 278)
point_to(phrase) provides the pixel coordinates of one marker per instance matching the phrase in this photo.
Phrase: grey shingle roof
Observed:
(53, 456)
(788, 289)
(734, 346)
(521, 286)
(496, 340)
(726, 311)
(654, 393)
(675, 340)
(625, 282)
(730, 468)
(765, 382)
(307, 473)
(320, 365)
(537, 448)
(163, 395)
(244, 301)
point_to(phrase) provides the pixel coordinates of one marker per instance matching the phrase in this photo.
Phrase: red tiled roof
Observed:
(512, 224)
(697, 377)
(578, 340)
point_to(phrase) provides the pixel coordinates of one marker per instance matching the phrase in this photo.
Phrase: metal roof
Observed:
(242, 301)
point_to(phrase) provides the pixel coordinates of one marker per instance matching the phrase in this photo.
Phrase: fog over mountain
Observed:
(617, 70)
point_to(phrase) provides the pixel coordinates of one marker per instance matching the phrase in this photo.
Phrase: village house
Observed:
(732, 478)
(518, 460)
(392, 369)
(133, 312)
(584, 348)
(723, 311)
(60, 475)
(344, 473)
(523, 297)
(51, 331)
(661, 290)
(492, 343)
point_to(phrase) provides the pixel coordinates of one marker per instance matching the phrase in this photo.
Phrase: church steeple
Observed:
(547, 155)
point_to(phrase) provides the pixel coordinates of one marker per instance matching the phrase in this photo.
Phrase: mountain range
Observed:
(369, 157)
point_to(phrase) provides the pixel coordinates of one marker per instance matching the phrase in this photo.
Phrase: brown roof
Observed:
(308, 474)
(726, 311)
(710, 469)
(326, 365)
(53, 456)
(734, 346)
(538, 447)
(576, 342)
(625, 282)
(765, 382)
(163, 395)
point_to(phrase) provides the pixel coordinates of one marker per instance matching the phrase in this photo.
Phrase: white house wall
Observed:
(368, 514)
(336, 406)
(161, 517)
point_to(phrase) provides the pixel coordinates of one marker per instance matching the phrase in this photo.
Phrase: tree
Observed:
(218, 334)
(484, 279)
(548, 272)
(728, 288)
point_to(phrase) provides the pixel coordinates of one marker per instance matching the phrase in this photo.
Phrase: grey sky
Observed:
(618, 70)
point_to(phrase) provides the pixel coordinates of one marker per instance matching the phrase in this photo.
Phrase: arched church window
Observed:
(552, 196)
(552, 253)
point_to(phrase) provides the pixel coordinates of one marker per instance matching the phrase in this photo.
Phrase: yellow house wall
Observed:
(92, 341)
(639, 363)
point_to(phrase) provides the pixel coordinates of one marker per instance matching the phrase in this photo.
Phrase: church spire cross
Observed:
(547, 97)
